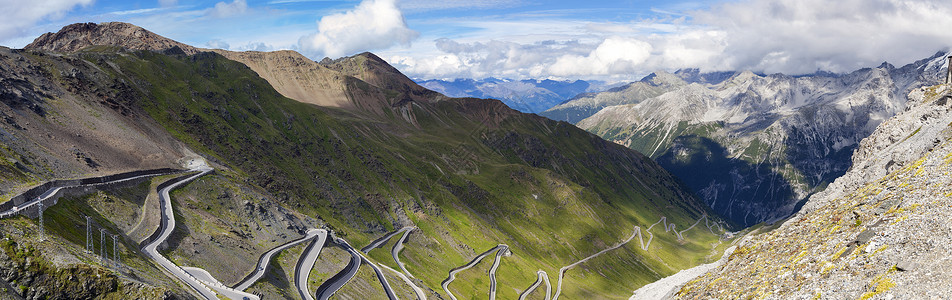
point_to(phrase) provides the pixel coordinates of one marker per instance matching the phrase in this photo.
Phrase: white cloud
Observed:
(224, 9)
(256, 46)
(487, 59)
(799, 36)
(448, 66)
(18, 16)
(688, 49)
(615, 55)
(373, 24)
(218, 44)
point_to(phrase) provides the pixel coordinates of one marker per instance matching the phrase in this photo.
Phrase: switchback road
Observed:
(303, 268)
(265, 259)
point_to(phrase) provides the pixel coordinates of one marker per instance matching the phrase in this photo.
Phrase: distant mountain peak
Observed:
(663, 78)
(744, 76)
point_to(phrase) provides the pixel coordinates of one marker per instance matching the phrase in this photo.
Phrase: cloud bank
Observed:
(373, 24)
(798, 36)
(788, 36)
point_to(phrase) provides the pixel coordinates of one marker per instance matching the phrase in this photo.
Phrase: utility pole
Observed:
(40, 207)
(115, 251)
(948, 74)
(89, 233)
(102, 243)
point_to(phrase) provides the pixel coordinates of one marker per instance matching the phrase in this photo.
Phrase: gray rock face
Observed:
(755, 146)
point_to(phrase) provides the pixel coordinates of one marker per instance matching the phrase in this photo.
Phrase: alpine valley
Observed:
(137, 167)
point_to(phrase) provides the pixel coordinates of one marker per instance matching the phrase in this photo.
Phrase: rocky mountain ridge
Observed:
(584, 105)
(765, 141)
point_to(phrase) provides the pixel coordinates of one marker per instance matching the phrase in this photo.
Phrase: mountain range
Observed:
(528, 95)
(753, 146)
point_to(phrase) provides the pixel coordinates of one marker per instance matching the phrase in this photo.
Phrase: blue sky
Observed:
(609, 40)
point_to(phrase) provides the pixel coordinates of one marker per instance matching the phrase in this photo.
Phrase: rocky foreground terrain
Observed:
(881, 231)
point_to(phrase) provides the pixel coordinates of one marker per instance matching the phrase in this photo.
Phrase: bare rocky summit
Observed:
(879, 232)
(76, 37)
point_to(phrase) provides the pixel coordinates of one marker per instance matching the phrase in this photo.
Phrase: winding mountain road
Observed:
(395, 252)
(265, 259)
(637, 231)
(542, 276)
(332, 285)
(452, 274)
(504, 251)
(53, 190)
(208, 280)
(304, 265)
(680, 237)
(397, 247)
(17, 209)
(165, 228)
(383, 279)
(383, 240)
(416, 290)
(641, 239)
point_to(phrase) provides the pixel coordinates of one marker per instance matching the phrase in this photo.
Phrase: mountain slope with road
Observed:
(359, 150)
